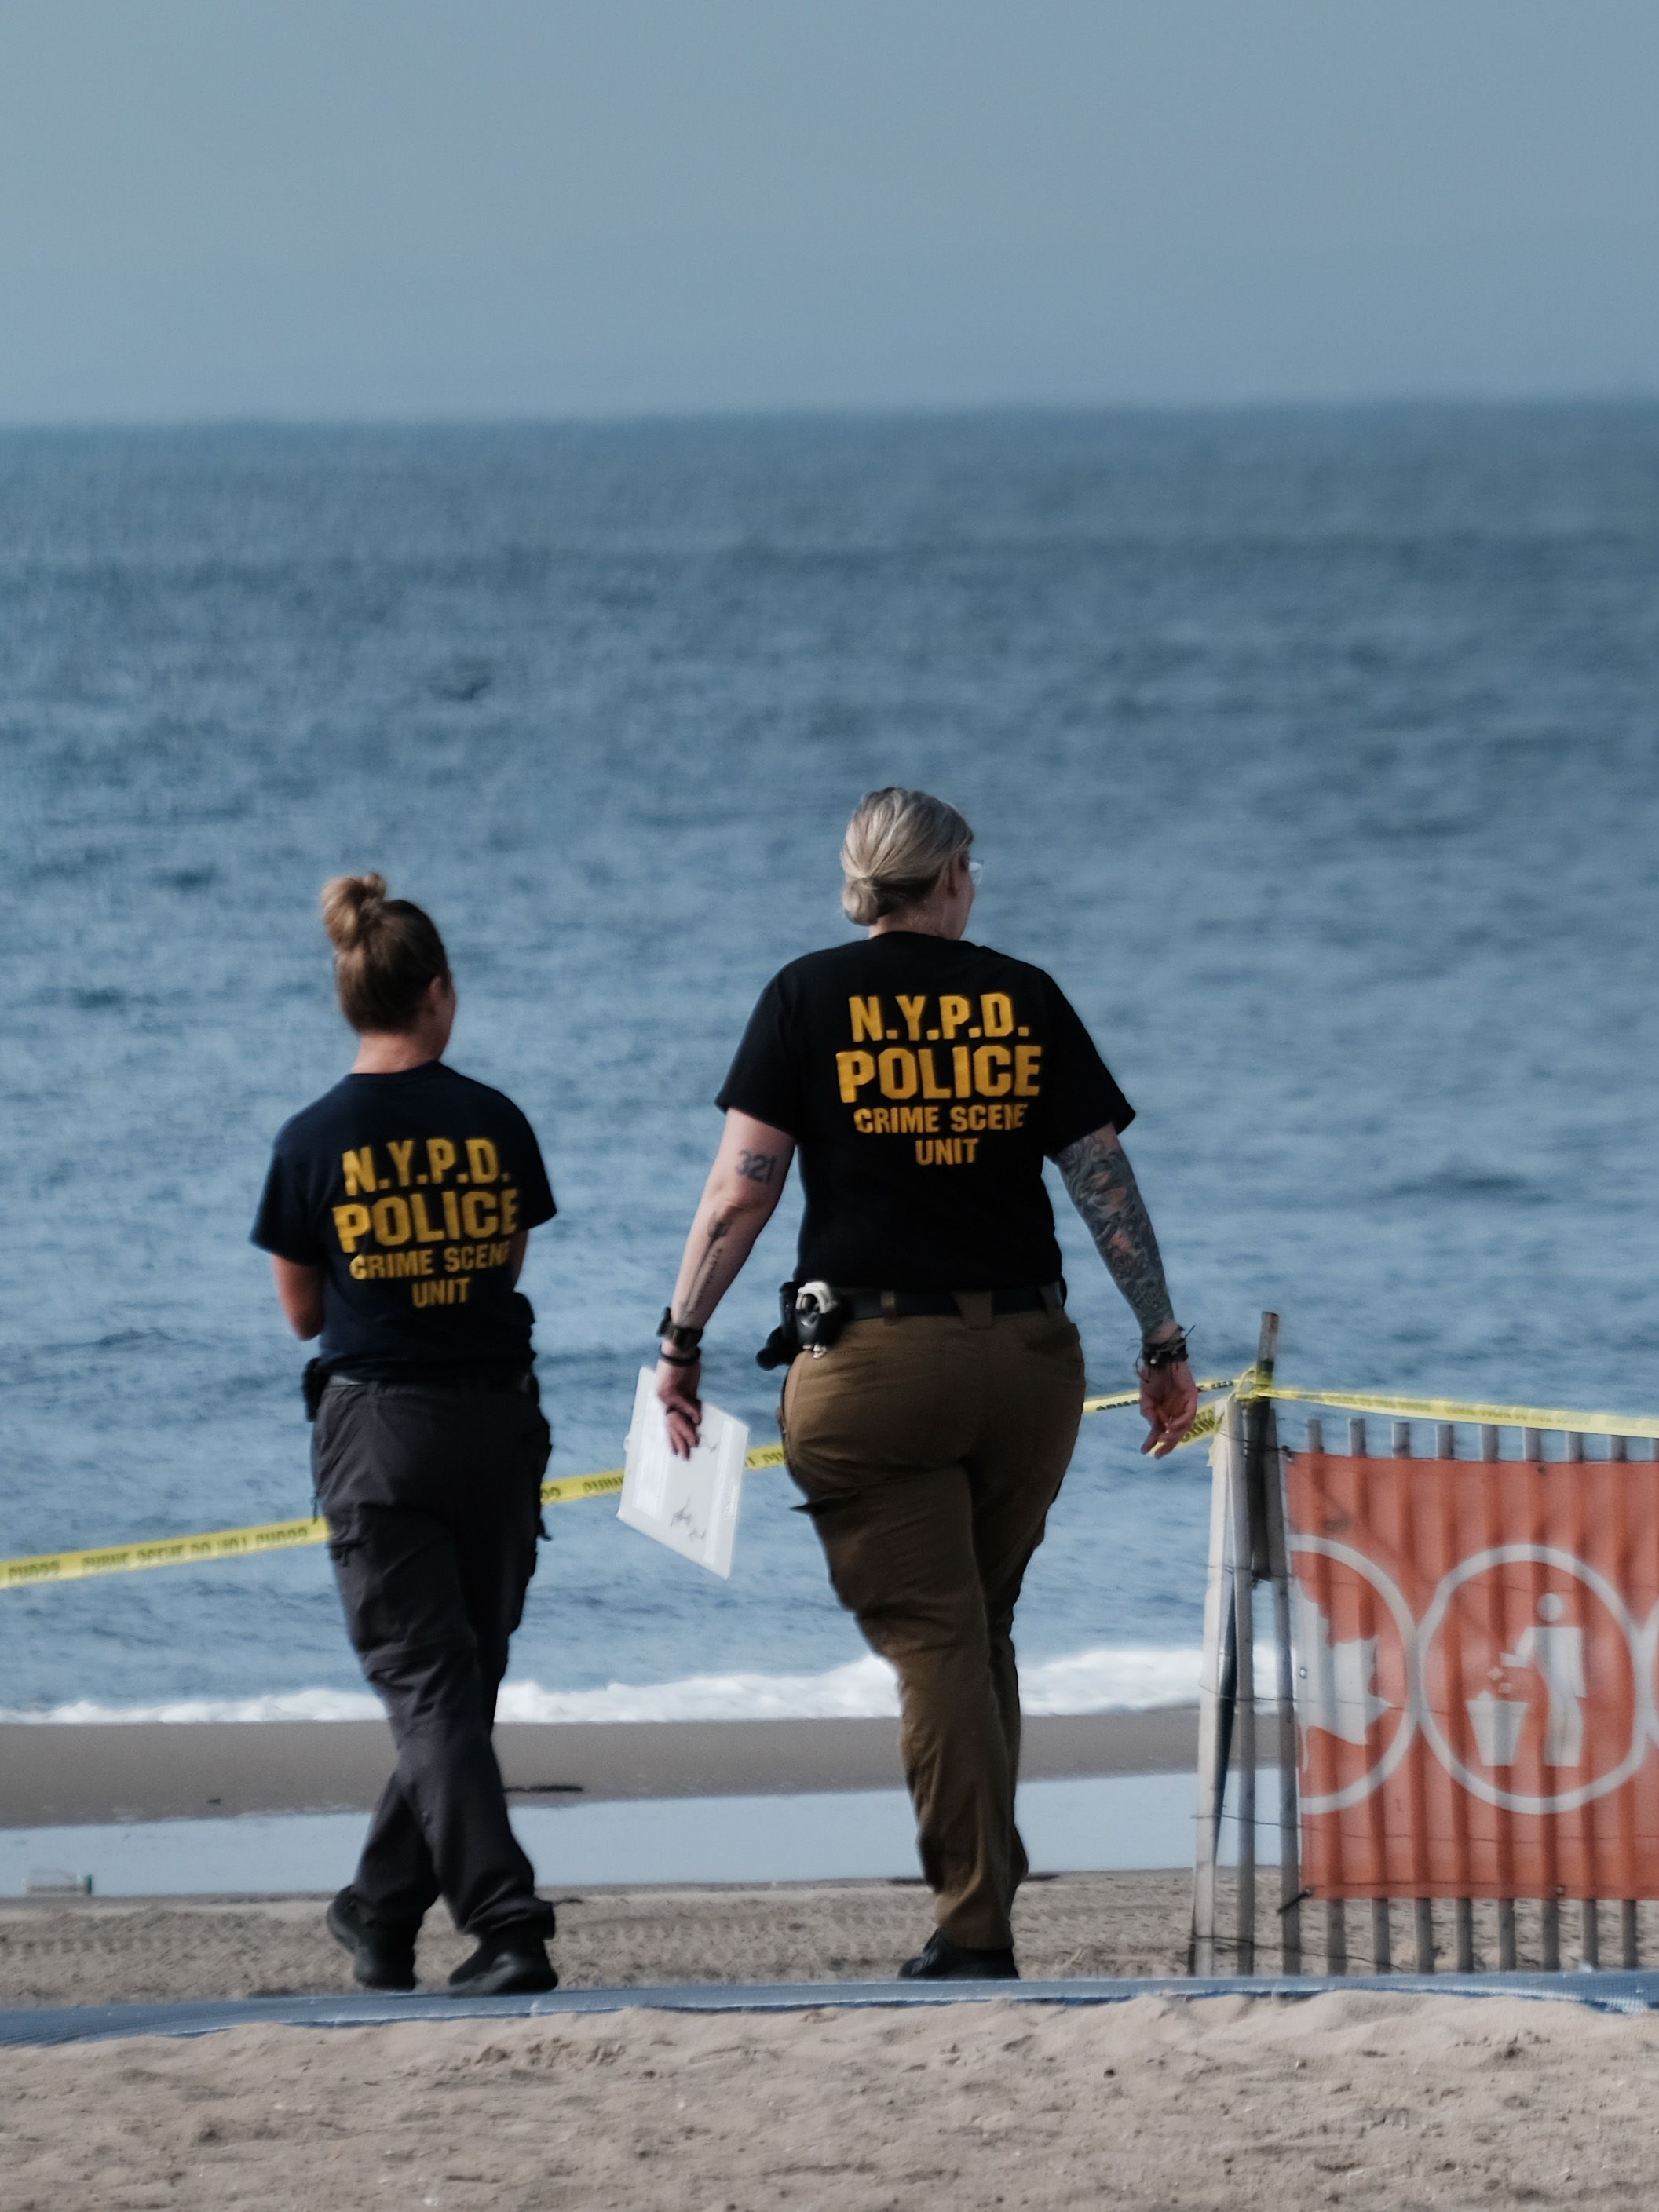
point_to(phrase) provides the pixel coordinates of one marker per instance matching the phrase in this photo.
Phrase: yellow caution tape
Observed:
(168, 1552)
(1132, 1397)
(290, 1536)
(1253, 1384)
(572, 1489)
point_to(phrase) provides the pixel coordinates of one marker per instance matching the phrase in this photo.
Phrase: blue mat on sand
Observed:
(1608, 1992)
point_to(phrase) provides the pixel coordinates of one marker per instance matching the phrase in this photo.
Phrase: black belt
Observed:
(878, 1305)
(518, 1379)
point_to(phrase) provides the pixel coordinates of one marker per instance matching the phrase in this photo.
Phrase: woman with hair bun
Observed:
(923, 1081)
(396, 1212)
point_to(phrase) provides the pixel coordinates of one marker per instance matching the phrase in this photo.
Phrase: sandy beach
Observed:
(1352, 2100)
(95, 1950)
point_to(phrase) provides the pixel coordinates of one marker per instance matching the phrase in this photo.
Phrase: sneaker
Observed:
(513, 1962)
(946, 1961)
(382, 1951)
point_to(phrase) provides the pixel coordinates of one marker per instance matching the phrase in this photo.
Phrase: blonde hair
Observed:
(897, 846)
(386, 953)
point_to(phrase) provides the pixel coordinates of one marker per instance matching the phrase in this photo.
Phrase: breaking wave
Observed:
(1110, 1678)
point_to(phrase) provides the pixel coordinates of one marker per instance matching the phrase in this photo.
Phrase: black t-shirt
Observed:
(407, 1191)
(924, 1083)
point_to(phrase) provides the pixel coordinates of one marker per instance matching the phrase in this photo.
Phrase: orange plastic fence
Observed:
(1475, 1647)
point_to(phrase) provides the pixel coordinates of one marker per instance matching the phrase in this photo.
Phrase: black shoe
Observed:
(514, 1962)
(382, 1951)
(946, 1961)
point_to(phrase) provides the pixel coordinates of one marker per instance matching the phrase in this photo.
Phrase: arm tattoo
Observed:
(719, 1228)
(758, 1167)
(1105, 1191)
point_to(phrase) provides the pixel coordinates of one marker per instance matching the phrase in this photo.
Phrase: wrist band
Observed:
(673, 1359)
(1170, 1352)
(681, 1335)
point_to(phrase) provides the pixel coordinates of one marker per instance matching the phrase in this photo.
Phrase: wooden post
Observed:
(1290, 1834)
(1445, 1448)
(1336, 1912)
(1244, 1639)
(1490, 1444)
(1259, 1426)
(1629, 1949)
(1213, 1738)
(1590, 1911)
(1422, 1909)
(1382, 1935)
(1549, 1909)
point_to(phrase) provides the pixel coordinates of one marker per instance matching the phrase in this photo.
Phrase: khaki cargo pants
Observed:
(930, 1448)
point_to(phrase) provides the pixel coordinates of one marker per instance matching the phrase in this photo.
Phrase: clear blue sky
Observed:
(486, 208)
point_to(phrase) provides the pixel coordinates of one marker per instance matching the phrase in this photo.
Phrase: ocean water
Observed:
(1314, 752)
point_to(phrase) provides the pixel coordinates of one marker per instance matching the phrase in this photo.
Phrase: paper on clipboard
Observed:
(690, 1504)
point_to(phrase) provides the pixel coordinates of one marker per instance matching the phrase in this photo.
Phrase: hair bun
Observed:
(349, 904)
(897, 845)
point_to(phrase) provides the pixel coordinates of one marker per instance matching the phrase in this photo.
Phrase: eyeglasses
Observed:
(975, 872)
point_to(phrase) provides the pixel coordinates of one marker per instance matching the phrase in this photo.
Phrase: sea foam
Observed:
(1109, 1678)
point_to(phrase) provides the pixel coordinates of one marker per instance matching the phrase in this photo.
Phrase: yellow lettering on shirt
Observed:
(424, 1231)
(395, 1267)
(359, 1171)
(931, 1085)
(866, 1018)
(484, 1161)
(509, 1210)
(391, 1222)
(913, 1009)
(853, 1070)
(1011, 1115)
(946, 1152)
(452, 1214)
(351, 1224)
(1028, 1060)
(962, 1062)
(902, 1121)
(402, 1154)
(991, 1076)
(464, 1259)
(895, 1071)
(440, 1156)
(479, 1214)
(996, 1013)
(953, 1014)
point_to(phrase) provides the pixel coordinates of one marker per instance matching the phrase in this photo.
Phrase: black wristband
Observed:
(1170, 1351)
(673, 1359)
(680, 1335)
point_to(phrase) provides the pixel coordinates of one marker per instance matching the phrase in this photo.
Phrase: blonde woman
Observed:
(396, 1212)
(936, 1382)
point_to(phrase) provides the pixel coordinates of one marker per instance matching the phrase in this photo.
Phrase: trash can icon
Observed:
(1497, 1722)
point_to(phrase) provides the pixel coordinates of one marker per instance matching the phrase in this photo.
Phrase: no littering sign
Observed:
(1475, 1654)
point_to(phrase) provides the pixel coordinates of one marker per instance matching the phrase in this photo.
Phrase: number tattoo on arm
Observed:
(758, 1167)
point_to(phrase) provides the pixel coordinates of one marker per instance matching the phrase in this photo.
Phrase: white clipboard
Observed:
(690, 1504)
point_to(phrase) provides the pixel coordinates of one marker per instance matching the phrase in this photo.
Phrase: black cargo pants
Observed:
(433, 1498)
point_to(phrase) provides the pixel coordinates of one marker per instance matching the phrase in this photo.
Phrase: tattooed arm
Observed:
(1102, 1187)
(741, 1195)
